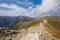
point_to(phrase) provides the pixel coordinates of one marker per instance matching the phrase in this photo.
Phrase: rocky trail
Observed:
(32, 33)
(38, 33)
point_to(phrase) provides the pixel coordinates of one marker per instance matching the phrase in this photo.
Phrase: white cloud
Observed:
(48, 6)
(31, 7)
(12, 6)
(25, 3)
(17, 10)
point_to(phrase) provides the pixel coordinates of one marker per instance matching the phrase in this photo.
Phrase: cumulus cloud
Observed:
(25, 2)
(17, 10)
(12, 6)
(48, 7)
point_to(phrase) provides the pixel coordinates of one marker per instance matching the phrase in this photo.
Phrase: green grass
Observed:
(21, 25)
(55, 31)
(55, 24)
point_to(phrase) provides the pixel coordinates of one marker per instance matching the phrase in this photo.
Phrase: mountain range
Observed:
(7, 21)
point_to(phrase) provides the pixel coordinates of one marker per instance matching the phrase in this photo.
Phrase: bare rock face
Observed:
(32, 33)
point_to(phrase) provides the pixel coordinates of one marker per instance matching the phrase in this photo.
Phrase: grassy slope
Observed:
(20, 25)
(55, 31)
(54, 26)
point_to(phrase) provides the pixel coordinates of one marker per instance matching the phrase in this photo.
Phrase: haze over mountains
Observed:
(7, 21)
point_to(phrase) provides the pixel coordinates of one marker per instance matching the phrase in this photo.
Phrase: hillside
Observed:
(7, 21)
(52, 25)
(36, 21)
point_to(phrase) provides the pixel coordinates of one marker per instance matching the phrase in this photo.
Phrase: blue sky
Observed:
(32, 8)
(22, 3)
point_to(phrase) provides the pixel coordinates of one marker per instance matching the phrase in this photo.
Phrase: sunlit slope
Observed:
(37, 21)
(52, 25)
(23, 24)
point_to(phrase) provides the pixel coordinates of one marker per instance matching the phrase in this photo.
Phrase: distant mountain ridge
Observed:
(6, 21)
